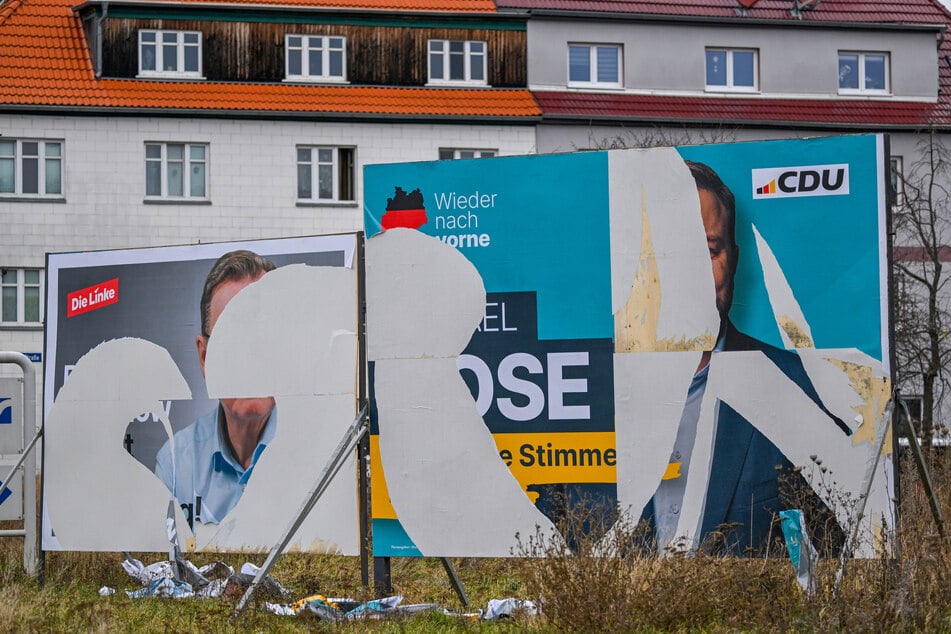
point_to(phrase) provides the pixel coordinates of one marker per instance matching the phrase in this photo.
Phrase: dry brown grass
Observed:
(580, 590)
(633, 591)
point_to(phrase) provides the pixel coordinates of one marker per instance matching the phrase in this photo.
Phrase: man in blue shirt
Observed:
(215, 455)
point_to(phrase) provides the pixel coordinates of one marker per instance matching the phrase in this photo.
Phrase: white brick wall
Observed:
(251, 179)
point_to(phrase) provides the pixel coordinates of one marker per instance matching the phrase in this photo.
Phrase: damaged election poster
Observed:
(221, 375)
(690, 336)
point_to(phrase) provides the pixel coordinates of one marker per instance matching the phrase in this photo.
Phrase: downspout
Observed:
(99, 20)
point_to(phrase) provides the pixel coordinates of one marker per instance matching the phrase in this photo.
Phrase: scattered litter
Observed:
(165, 587)
(209, 581)
(802, 553)
(219, 579)
(507, 607)
(335, 609)
(340, 609)
(145, 574)
(280, 610)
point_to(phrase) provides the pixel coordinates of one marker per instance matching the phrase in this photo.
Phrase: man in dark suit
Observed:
(744, 486)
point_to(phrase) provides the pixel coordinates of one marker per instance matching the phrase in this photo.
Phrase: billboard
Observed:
(143, 404)
(674, 332)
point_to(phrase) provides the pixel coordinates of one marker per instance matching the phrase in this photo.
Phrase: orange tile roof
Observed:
(44, 62)
(435, 6)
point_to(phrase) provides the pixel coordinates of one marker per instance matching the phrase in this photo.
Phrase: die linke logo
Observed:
(807, 180)
(92, 297)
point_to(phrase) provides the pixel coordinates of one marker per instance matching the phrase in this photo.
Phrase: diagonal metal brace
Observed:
(358, 428)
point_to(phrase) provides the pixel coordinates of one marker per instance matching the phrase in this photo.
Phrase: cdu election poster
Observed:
(690, 339)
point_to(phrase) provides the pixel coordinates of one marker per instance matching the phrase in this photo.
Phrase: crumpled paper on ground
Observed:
(507, 607)
(348, 609)
(211, 580)
(218, 578)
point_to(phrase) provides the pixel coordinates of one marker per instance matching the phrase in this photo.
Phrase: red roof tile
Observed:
(707, 109)
(884, 11)
(802, 112)
(44, 62)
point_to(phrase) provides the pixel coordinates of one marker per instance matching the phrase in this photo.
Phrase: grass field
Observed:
(577, 592)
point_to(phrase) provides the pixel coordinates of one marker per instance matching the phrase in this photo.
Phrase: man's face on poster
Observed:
(237, 409)
(723, 249)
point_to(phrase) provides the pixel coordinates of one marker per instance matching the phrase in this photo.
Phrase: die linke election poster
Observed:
(695, 337)
(208, 375)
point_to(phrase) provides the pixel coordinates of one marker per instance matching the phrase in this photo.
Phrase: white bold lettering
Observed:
(558, 386)
(483, 378)
(508, 380)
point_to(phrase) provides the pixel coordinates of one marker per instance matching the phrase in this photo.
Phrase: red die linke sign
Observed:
(92, 297)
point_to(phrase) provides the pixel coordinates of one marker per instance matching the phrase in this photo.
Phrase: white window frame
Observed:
(308, 43)
(45, 158)
(441, 48)
(450, 153)
(862, 59)
(181, 43)
(339, 158)
(20, 285)
(188, 163)
(595, 81)
(731, 85)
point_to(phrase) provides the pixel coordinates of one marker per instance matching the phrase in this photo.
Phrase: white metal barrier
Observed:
(17, 450)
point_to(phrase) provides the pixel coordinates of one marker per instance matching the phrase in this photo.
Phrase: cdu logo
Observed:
(807, 180)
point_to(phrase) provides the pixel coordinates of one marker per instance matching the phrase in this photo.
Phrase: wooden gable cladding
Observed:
(376, 55)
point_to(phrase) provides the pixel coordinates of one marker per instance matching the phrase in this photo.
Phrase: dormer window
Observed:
(457, 62)
(732, 70)
(863, 73)
(594, 65)
(315, 58)
(173, 54)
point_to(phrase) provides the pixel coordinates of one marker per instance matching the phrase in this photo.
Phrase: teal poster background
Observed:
(541, 224)
(547, 224)
(829, 247)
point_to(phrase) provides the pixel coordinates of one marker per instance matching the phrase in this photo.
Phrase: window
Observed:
(915, 404)
(324, 174)
(446, 153)
(863, 73)
(732, 69)
(21, 297)
(176, 170)
(170, 53)
(31, 168)
(896, 179)
(456, 61)
(316, 57)
(594, 65)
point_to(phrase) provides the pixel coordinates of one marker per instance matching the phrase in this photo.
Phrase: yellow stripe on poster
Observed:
(533, 458)
(381, 508)
(555, 458)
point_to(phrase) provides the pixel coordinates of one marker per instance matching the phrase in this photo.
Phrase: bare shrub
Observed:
(604, 578)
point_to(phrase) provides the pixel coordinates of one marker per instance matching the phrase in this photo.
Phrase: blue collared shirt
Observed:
(669, 497)
(206, 474)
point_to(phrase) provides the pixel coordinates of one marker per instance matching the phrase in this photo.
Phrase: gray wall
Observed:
(793, 61)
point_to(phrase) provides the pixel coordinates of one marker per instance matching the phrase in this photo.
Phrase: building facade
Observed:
(127, 124)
